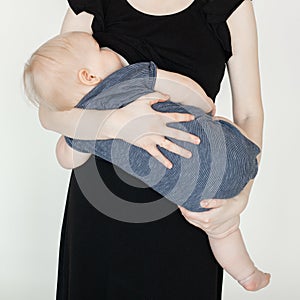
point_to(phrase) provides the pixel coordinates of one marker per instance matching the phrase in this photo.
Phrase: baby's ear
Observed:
(88, 78)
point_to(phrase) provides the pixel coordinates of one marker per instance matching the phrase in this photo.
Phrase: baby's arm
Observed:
(67, 157)
(184, 90)
(232, 255)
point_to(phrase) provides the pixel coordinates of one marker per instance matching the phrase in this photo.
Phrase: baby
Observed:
(71, 70)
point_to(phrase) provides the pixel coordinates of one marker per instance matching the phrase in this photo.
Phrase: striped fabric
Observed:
(220, 167)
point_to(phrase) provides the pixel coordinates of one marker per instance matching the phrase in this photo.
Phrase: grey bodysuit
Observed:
(220, 166)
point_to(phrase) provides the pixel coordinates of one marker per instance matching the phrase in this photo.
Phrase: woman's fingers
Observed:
(199, 217)
(152, 132)
(191, 215)
(160, 157)
(181, 135)
(212, 221)
(172, 147)
(205, 220)
(156, 100)
(154, 97)
(212, 203)
(170, 117)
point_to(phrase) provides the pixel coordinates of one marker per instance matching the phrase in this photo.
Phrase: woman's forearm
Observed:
(79, 123)
(253, 126)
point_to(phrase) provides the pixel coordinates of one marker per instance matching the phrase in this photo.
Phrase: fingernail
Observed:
(197, 141)
(192, 117)
(203, 203)
(169, 166)
(189, 155)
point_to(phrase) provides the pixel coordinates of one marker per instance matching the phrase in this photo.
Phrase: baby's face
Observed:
(99, 62)
(82, 52)
(91, 52)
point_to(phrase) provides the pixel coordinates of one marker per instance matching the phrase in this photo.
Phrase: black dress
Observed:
(105, 258)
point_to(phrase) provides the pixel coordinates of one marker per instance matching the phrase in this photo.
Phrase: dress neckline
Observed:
(160, 16)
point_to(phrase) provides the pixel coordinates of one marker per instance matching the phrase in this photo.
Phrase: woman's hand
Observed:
(223, 216)
(139, 124)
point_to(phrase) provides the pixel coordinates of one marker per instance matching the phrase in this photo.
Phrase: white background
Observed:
(33, 186)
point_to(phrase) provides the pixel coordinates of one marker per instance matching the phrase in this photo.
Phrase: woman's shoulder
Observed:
(216, 13)
(220, 10)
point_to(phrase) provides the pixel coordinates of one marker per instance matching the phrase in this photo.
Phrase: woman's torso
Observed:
(181, 42)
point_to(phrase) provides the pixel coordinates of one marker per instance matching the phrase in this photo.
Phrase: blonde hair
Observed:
(51, 72)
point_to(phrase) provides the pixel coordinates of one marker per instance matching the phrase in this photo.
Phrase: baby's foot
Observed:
(256, 281)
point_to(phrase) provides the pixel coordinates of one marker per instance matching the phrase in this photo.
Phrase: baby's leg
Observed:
(232, 255)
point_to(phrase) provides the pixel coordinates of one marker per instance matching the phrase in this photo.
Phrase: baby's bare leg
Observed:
(232, 255)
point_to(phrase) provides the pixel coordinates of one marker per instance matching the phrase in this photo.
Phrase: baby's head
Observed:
(64, 69)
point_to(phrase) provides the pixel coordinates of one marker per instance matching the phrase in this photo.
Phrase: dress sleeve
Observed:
(94, 7)
(216, 13)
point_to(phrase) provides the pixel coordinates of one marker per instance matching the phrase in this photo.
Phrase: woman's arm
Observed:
(78, 123)
(243, 68)
(97, 124)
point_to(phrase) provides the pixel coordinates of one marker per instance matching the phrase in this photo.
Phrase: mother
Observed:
(105, 258)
